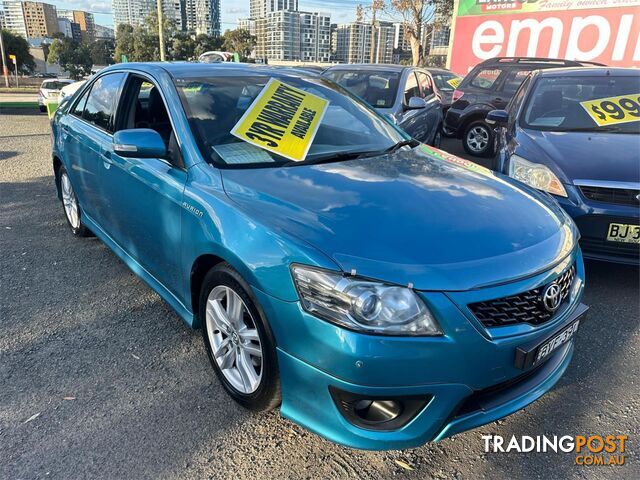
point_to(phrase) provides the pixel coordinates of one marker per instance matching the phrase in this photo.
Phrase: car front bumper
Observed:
(467, 377)
(593, 219)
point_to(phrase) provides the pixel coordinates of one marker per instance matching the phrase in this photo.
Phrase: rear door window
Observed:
(102, 101)
(425, 84)
(514, 79)
(486, 78)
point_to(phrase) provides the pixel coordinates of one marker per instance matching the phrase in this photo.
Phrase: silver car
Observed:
(404, 94)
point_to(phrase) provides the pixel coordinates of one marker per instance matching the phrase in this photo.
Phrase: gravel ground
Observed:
(99, 378)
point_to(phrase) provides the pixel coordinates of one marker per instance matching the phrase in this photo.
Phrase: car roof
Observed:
(196, 69)
(588, 72)
(378, 67)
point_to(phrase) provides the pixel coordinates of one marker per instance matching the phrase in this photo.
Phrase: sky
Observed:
(341, 10)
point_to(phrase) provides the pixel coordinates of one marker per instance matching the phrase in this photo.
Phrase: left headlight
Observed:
(535, 175)
(363, 305)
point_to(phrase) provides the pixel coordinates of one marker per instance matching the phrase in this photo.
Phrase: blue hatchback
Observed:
(381, 292)
(575, 133)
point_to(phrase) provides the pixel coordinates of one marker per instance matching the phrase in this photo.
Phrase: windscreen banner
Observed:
(603, 31)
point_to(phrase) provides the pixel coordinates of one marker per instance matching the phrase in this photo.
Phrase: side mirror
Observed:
(139, 143)
(416, 103)
(498, 117)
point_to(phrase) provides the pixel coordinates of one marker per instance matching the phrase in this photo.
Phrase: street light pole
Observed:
(160, 32)
(5, 69)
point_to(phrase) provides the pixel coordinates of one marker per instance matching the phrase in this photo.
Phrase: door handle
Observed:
(106, 159)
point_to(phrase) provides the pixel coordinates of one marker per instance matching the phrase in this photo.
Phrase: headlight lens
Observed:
(535, 175)
(362, 305)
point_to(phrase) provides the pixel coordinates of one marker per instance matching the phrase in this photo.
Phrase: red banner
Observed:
(606, 35)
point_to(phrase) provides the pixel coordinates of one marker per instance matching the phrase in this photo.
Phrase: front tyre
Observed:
(478, 139)
(239, 342)
(71, 206)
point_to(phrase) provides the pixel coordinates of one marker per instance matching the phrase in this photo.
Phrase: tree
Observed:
(124, 42)
(72, 56)
(101, 52)
(239, 41)
(206, 43)
(18, 46)
(416, 14)
(181, 46)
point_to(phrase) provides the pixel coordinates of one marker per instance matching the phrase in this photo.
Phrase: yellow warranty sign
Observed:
(283, 120)
(611, 110)
(454, 82)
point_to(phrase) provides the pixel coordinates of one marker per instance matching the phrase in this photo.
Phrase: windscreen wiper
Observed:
(404, 143)
(606, 128)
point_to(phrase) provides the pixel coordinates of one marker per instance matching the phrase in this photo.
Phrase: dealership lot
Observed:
(98, 376)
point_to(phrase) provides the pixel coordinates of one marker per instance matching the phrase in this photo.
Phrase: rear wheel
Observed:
(71, 206)
(239, 342)
(478, 139)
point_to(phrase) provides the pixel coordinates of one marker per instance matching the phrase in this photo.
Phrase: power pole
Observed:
(5, 69)
(160, 32)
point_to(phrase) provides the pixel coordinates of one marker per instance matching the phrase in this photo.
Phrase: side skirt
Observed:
(185, 314)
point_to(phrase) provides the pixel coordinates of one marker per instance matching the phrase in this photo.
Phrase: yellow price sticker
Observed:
(454, 82)
(283, 120)
(612, 110)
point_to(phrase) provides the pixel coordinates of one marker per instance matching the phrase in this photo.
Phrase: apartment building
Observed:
(30, 19)
(352, 42)
(69, 29)
(84, 20)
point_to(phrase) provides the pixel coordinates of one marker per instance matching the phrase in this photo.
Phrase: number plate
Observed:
(622, 232)
(556, 342)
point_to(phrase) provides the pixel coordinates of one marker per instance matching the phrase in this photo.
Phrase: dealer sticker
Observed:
(283, 120)
(454, 82)
(612, 110)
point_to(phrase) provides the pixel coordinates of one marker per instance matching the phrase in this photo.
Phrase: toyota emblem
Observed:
(551, 297)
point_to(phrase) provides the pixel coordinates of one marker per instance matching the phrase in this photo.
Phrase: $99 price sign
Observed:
(612, 110)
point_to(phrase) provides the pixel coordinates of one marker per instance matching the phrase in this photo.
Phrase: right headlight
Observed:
(363, 305)
(535, 175)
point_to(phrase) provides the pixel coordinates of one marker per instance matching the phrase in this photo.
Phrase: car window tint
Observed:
(485, 78)
(411, 88)
(517, 99)
(79, 106)
(425, 84)
(514, 79)
(102, 101)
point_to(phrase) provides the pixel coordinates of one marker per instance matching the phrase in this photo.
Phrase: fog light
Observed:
(378, 413)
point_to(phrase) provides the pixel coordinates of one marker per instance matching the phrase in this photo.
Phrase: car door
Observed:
(410, 120)
(87, 131)
(147, 193)
(432, 113)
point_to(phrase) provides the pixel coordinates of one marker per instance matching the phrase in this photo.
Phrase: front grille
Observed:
(525, 307)
(618, 196)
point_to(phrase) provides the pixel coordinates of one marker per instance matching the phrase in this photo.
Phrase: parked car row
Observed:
(380, 291)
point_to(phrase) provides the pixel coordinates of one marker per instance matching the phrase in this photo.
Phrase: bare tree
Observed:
(418, 15)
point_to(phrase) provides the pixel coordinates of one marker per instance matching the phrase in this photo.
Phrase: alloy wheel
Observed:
(235, 343)
(70, 201)
(478, 139)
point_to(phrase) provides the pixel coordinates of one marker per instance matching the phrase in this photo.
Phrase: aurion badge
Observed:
(551, 297)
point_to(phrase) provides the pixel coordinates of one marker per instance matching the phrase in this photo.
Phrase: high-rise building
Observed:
(197, 16)
(104, 33)
(1, 19)
(293, 36)
(259, 8)
(30, 19)
(248, 24)
(84, 19)
(352, 42)
(69, 29)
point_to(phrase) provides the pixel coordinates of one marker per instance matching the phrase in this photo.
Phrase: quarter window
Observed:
(514, 79)
(102, 101)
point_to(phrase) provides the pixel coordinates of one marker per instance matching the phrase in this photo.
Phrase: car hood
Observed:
(419, 216)
(584, 155)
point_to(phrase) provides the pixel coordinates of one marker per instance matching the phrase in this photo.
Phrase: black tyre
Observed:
(477, 139)
(239, 342)
(71, 206)
(43, 108)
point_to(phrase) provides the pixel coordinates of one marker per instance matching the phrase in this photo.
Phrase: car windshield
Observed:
(215, 104)
(55, 84)
(580, 103)
(441, 80)
(376, 88)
